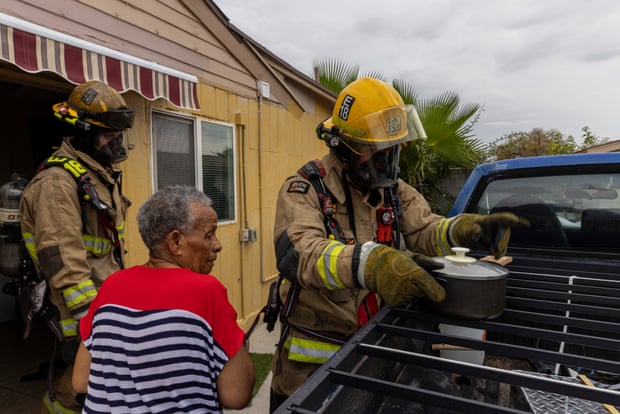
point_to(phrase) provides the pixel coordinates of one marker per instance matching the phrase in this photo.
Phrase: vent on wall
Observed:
(263, 89)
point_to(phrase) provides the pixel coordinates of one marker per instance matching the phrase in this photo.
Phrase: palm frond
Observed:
(335, 74)
(375, 74)
(449, 129)
(406, 91)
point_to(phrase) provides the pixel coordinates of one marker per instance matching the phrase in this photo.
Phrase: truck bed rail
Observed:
(551, 321)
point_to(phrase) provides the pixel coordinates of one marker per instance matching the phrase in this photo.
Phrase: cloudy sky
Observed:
(553, 64)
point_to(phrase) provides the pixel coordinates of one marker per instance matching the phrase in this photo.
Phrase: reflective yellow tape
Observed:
(69, 327)
(83, 292)
(307, 350)
(327, 265)
(97, 245)
(55, 407)
(31, 246)
(443, 243)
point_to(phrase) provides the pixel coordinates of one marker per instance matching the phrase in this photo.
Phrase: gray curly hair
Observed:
(168, 210)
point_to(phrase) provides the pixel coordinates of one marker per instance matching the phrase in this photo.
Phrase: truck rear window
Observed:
(576, 212)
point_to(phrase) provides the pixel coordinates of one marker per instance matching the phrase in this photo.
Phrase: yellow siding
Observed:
(265, 157)
(137, 171)
(272, 140)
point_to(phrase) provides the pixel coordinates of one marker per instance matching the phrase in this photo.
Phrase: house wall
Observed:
(272, 143)
(273, 137)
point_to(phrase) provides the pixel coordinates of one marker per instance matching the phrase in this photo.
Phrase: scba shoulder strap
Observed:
(314, 171)
(85, 188)
(88, 194)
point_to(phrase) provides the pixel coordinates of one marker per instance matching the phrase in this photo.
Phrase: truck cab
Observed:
(571, 201)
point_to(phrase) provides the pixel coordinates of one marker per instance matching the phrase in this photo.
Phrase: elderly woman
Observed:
(163, 336)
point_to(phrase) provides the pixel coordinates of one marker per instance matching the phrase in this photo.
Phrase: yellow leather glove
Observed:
(491, 231)
(397, 278)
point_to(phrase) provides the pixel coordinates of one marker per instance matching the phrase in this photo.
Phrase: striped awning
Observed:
(35, 49)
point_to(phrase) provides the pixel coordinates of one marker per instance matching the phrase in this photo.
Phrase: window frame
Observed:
(197, 156)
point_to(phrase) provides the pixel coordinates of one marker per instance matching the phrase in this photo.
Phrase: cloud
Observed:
(552, 64)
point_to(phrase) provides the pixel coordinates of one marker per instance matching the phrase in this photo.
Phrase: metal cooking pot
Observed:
(474, 289)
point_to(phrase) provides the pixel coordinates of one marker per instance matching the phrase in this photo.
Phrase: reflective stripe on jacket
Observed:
(55, 407)
(310, 351)
(327, 265)
(98, 246)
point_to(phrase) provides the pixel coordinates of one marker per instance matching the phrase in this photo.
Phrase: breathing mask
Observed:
(374, 171)
(110, 147)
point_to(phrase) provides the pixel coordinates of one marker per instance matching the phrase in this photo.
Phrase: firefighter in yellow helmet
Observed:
(350, 235)
(73, 219)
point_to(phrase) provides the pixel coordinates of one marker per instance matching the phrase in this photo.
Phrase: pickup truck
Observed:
(556, 346)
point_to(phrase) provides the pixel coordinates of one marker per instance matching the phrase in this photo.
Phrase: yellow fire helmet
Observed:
(95, 103)
(369, 116)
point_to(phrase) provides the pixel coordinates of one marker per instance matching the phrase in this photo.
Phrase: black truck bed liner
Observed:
(554, 318)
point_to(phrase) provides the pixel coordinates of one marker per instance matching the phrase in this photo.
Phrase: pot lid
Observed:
(461, 266)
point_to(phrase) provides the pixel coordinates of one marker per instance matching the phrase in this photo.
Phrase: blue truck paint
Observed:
(486, 172)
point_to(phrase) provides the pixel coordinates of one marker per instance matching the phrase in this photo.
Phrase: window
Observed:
(577, 212)
(218, 167)
(197, 153)
(174, 144)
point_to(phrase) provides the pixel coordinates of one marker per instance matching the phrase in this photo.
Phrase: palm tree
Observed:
(450, 140)
(448, 124)
(335, 74)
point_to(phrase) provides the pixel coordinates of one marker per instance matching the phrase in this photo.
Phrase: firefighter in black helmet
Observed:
(73, 217)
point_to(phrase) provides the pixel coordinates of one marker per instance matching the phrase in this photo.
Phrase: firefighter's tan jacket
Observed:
(65, 236)
(328, 299)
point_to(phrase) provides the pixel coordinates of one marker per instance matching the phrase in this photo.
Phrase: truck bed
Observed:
(555, 319)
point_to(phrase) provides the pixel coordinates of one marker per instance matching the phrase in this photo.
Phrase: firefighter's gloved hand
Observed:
(491, 231)
(395, 276)
(427, 263)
